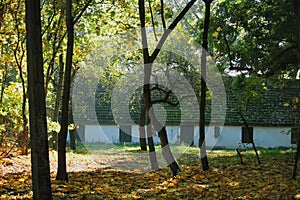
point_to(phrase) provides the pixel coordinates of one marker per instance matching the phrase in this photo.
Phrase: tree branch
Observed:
(152, 20)
(162, 14)
(142, 14)
(76, 19)
(170, 29)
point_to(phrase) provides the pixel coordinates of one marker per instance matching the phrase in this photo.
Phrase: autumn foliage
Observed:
(227, 178)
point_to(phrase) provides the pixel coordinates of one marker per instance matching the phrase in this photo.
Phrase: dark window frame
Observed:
(123, 136)
(246, 136)
(294, 135)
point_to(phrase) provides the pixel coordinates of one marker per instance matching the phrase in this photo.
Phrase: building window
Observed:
(247, 134)
(217, 132)
(125, 134)
(294, 135)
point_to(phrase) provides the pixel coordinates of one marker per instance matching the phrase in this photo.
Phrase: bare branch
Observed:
(50, 20)
(142, 14)
(170, 29)
(162, 14)
(152, 20)
(76, 19)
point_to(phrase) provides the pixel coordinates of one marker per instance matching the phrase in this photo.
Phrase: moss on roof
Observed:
(265, 110)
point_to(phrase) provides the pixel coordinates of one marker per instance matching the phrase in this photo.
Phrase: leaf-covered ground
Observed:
(90, 178)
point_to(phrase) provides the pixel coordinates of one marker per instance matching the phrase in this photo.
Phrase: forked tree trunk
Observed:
(202, 144)
(37, 106)
(24, 138)
(148, 62)
(62, 137)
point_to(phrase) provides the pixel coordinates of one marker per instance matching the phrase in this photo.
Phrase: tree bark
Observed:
(148, 62)
(152, 153)
(297, 16)
(62, 137)
(59, 88)
(19, 59)
(72, 131)
(37, 106)
(24, 138)
(4, 77)
(202, 144)
(142, 122)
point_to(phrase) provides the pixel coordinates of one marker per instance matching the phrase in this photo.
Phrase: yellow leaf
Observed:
(295, 100)
(97, 189)
(215, 34)
(219, 29)
(163, 195)
(286, 105)
(21, 180)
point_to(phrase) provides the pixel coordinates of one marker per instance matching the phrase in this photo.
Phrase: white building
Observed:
(270, 117)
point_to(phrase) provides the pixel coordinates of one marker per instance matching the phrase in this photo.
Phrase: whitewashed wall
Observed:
(230, 136)
(104, 134)
(272, 137)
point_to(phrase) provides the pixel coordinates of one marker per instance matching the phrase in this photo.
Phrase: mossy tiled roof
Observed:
(267, 109)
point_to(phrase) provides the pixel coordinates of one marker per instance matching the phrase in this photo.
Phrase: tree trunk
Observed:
(142, 122)
(202, 144)
(37, 106)
(297, 15)
(72, 131)
(148, 62)
(152, 153)
(19, 53)
(166, 151)
(24, 138)
(297, 154)
(4, 78)
(62, 137)
(252, 141)
(57, 98)
(59, 88)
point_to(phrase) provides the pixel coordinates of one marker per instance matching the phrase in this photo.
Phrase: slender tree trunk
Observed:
(59, 88)
(37, 106)
(297, 154)
(152, 153)
(202, 144)
(143, 143)
(57, 98)
(4, 77)
(62, 137)
(166, 150)
(19, 53)
(297, 15)
(73, 131)
(252, 141)
(24, 138)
